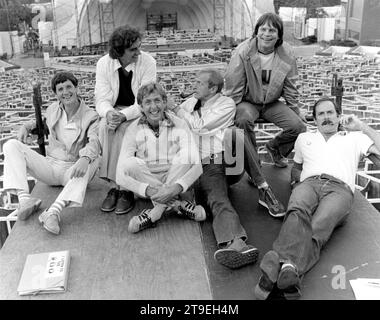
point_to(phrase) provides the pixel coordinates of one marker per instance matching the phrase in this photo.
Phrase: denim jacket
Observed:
(243, 76)
(86, 142)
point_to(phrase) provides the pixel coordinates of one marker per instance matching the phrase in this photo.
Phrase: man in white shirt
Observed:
(210, 116)
(119, 75)
(159, 160)
(322, 200)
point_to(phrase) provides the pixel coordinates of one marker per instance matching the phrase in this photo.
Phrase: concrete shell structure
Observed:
(83, 22)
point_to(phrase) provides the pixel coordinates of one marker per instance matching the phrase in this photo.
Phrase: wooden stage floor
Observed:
(175, 259)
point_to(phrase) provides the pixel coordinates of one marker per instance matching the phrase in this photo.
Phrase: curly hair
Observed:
(122, 38)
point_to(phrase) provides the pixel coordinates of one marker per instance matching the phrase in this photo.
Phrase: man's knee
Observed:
(11, 145)
(245, 115)
(130, 165)
(296, 128)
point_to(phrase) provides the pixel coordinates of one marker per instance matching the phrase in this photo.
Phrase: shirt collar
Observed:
(166, 122)
(77, 116)
(117, 65)
(210, 101)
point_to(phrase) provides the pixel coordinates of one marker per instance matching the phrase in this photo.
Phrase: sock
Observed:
(263, 185)
(157, 211)
(23, 195)
(58, 206)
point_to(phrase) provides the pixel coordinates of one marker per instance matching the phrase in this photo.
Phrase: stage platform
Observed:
(175, 259)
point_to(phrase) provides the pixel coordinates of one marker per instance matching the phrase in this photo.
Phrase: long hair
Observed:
(273, 20)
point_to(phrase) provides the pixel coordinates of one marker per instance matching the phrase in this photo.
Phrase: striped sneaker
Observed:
(192, 211)
(141, 222)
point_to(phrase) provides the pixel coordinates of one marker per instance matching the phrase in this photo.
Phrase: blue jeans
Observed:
(277, 113)
(211, 189)
(316, 207)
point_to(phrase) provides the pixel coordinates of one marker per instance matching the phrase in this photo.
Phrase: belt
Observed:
(325, 176)
(213, 158)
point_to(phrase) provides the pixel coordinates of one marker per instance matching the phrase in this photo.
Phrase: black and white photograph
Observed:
(190, 156)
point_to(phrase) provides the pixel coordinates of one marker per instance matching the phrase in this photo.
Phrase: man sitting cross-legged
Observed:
(158, 160)
(322, 200)
(72, 154)
(210, 116)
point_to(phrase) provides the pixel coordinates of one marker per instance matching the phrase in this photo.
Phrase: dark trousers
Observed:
(277, 113)
(316, 207)
(221, 171)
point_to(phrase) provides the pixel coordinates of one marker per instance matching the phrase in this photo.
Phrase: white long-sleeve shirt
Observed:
(175, 145)
(217, 115)
(108, 84)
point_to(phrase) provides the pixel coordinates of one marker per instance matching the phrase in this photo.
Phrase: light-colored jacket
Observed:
(243, 80)
(218, 114)
(86, 142)
(175, 145)
(107, 82)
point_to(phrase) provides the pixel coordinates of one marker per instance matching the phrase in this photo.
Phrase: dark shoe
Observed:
(270, 267)
(277, 158)
(125, 203)
(288, 277)
(292, 293)
(268, 200)
(237, 254)
(109, 203)
(141, 222)
(28, 207)
(192, 211)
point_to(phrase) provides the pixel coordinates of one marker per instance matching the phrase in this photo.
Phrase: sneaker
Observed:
(268, 200)
(288, 276)
(237, 254)
(28, 207)
(192, 211)
(292, 293)
(125, 202)
(277, 158)
(109, 203)
(141, 222)
(50, 221)
(270, 268)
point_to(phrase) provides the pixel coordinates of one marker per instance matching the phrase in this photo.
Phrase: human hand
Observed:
(114, 119)
(351, 123)
(303, 114)
(150, 191)
(22, 135)
(166, 194)
(80, 168)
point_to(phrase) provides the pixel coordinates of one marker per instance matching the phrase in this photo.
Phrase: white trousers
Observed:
(164, 175)
(19, 160)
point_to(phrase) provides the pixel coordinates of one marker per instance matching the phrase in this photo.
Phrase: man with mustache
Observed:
(119, 75)
(263, 69)
(323, 179)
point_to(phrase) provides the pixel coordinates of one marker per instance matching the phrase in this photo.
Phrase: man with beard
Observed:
(323, 179)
